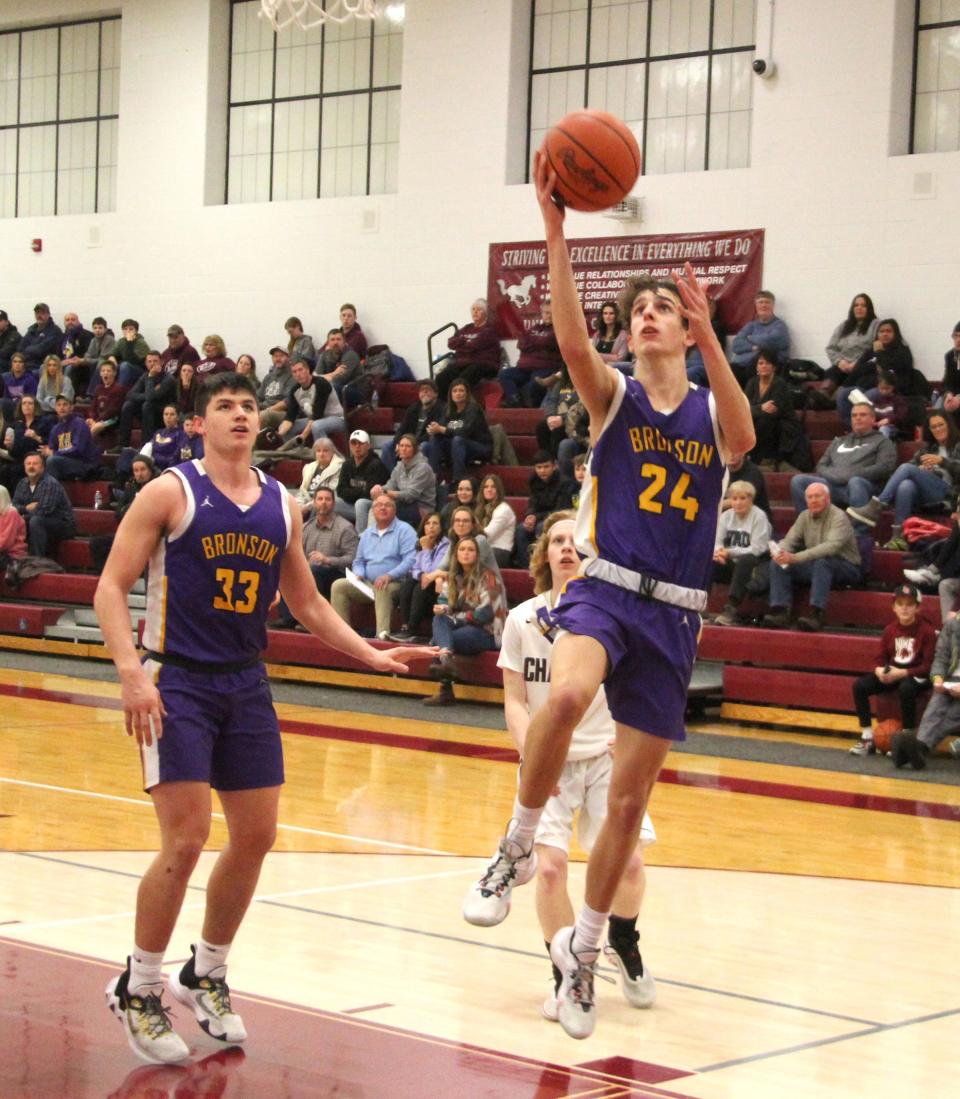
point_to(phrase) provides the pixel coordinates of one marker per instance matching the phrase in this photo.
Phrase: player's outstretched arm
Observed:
(153, 511)
(733, 408)
(313, 611)
(594, 380)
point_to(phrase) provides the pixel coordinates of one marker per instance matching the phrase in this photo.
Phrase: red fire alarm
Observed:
(36, 244)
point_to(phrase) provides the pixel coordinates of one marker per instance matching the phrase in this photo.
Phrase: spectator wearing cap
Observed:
(41, 339)
(904, 658)
(71, 451)
(358, 474)
(414, 421)
(549, 492)
(274, 390)
(131, 353)
(179, 350)
(352, 332)
(9, 340)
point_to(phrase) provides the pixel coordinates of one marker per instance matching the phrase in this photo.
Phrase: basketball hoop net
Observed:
(308, 14)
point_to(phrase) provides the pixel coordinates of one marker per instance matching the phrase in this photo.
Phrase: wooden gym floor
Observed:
(801, 923)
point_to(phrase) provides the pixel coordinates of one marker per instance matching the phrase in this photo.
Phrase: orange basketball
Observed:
(883, 733)
(596, 158)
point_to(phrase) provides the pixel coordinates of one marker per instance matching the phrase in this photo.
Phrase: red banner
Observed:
(731, 264)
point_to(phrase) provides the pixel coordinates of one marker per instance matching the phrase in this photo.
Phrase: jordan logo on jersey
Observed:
(206, 502)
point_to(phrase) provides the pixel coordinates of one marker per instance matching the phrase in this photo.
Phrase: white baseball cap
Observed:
(359, 437)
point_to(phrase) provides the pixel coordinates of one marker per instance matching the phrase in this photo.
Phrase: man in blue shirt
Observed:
(384, 557)
(766, 332)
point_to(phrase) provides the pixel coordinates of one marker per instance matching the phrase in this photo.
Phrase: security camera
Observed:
(763, 68)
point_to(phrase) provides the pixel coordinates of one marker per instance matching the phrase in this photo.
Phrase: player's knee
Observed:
(183, 851)
(255, 842)
(625, 810)
(551, 870)
(568, 703)
(633, 871)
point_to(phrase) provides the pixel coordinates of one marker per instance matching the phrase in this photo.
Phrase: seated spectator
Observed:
(76, 339)
(329, 545)
(313, 409)
(820, 549)
(358, 474)
(275, 389)
(766, 332)
(496, 519)
(47, 511)
(26, 435)
(130, 353)
(9, 340)
(17, 383)
(418, 592)
(565, 429)
(322, 472)
(854, 467)
(538, 367)
(178, 350)
(889, 408)
(943, 570)
(171, 444)
(52, 383)
(146, 401)
(942, 715)
(931, 477)
(41, 339)
(888, 353)
(385, 555)
(903, 664)
(741, 468)
(850, 339)
(468, 616)
(71, 452)
(610, 337)
(13, 530)
(743, 535)
(548, 492)
(215, 359)
(579, 476)
(352, 332)
(476, 352)
(187, 386)
(696, 371)
(459, 434)
(950, 386)
(771, 406)
(300, 348)
(412, 486)
(84, 371)
(247, 364)
(338, 364)
(464, 495)
(463, 523)
(107, 401)
(414, 422)
(142, 472)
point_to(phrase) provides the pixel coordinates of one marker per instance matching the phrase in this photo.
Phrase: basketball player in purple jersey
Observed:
(645, 528)
(220, 538)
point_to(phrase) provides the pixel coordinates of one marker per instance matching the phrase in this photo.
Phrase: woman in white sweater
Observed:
(743, 538)
(324, 472)
(496, 519)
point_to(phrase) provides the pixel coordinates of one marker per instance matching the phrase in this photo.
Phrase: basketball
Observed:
(883, 733)
(596, 158)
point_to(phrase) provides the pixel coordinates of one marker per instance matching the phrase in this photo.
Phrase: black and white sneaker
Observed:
(639, 988)
(488, 901)
(576, 1009)
(209, 998)
(145, 1021)
(865, 747)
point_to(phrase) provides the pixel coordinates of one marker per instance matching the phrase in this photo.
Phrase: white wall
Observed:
(841, 213)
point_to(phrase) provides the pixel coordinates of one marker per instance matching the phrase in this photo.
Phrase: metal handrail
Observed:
(431, 361)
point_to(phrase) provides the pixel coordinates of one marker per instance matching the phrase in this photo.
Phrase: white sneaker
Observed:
(145, 1021)
(576, 1011)
(954, 747)
(488, 901)
(209, 999)
(636, 980)
(928, 576)
(549, 1009)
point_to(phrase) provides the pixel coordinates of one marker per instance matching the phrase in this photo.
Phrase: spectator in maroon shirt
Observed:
(214, 359)
(178, 350)
(352, 332)
(538, 367)
(108, 400)
(476, 352)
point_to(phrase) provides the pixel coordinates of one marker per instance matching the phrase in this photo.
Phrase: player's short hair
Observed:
(638, 284)
(539, 563)
(742, 488)
(223, 383)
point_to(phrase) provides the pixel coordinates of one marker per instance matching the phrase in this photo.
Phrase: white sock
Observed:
(523, 825)
(588, 929)
(209, 958)
(866, 733)
(145, 969)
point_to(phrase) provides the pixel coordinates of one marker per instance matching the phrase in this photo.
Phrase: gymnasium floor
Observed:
(800, 920)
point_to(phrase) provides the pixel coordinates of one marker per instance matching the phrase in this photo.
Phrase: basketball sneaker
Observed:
(209, 998)
(549, 1008)
(488, 901)
(864, 747)
(639, 988)
(146, 1022)
(576, 1010)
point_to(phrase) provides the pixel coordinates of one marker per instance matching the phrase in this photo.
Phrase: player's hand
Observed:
(545, 182)
(694, 304)
(143, 709)
(397, 659)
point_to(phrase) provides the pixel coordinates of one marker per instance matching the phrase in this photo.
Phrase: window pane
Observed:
(8, 173)
(344, 142)
(730, 103)
(295, 144)
(249, 154)
(38, 177)
(9, 78)
(76, 168)
(733, 23)
(38, 76)
(559, 33)
(79, 49)
(384, 143)
(620, 90)
(679, 26)
(553, 96)
(618, 30)
(110, 67)
(251, 75)
(939, 11)
(299, 57)
(107, 161)
(346, 56)
(387, 53)
(676, 116)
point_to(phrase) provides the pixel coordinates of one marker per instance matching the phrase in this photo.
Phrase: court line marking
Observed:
(536, 955)
(219, 816)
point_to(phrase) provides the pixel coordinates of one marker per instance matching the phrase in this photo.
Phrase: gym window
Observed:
(59, 106)
(936, 77)
(676, 71)
(312, 114)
